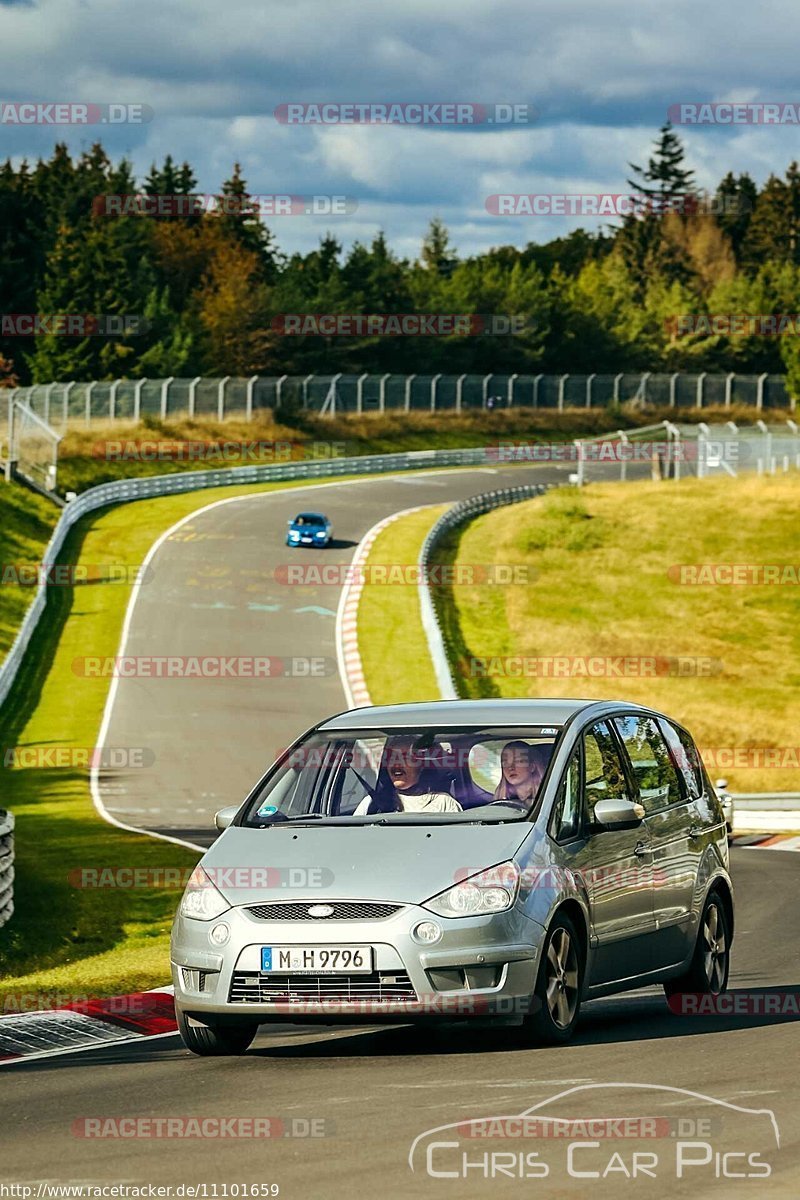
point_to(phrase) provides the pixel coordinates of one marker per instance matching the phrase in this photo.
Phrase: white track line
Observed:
(108, 711)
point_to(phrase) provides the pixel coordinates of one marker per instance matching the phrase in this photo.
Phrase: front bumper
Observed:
(481, 967)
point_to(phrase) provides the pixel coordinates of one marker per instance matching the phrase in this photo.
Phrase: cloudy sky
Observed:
(599, 76)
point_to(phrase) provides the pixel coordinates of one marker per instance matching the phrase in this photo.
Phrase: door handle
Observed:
(640, 849)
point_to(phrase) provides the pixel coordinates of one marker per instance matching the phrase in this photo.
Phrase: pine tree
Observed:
(239, 219)
(665, 176)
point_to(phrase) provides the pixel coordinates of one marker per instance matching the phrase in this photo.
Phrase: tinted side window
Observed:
(686, 756)
(653, 768)
(605, 776)
(568, 812)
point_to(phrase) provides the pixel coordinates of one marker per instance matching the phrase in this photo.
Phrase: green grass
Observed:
(601, 587)
(26, 522)
(64, 939)
(91, 455)
(391, 640)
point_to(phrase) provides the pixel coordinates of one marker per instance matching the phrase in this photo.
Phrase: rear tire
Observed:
(209, 1039)
(708, 970)
(559, 985)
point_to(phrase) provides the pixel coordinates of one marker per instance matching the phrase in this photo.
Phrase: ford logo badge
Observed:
(320, 910)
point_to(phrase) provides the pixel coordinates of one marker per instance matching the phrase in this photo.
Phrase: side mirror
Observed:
(618, 814)
(225, 816)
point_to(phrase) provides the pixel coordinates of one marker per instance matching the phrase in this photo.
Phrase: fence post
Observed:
(221, 398)
(729, 378)
(48, 391)
(589, 381)
(485, 390)
(700, 389)
(561, 384)
(360, 392)
(510, 391)
(760, 391)
(279, 391)
(12, 400)
(89, 391)
(137, 399)
(193, 395)
(623, 466)
(248, 401)
(165, 396)
(615, 393)
(305, 389)
(382, 392)
(643, 385)
(536, 379)
(112, 400)
(407, 397)
(767, 446)
(65, 400)
(580, 473)
(702, 449)
(434, 383)
(673, 383)
(459, 391)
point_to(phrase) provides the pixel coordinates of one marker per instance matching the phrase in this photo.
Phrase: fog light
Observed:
(220, 934)
(427, 932)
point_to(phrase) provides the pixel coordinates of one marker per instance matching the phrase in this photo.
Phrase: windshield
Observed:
(309, 519)
(415, 774)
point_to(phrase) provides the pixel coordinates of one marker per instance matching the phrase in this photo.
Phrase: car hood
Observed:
(355, 862)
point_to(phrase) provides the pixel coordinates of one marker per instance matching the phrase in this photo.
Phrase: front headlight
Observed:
(491, 891)
(201, 900)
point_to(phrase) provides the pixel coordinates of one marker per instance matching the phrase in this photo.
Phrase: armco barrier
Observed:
(6, 866)
(464, 511)
(189, 481)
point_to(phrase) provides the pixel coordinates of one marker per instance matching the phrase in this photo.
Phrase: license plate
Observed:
(317, 960)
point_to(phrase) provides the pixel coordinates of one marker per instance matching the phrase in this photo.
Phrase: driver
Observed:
(410, 791)
(521, 773)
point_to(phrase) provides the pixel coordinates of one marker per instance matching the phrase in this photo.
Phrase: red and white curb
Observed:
(767, 841)
(86, 1024)
(351, 668)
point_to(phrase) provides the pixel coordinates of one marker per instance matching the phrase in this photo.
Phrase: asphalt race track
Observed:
(378, 1090)
(212, 591)
(369, 1093)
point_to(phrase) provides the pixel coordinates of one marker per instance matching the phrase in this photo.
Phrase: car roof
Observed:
(311, 516)
(452, 713)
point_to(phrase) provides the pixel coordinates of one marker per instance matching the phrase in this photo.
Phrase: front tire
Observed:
(211, 1039)
(708, 970)
(559, 985)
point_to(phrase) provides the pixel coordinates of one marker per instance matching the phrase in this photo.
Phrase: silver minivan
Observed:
(492, 860)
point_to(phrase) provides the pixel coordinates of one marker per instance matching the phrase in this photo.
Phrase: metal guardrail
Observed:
(169, 485)
(132, 399)
(464, 511)
(6, 866)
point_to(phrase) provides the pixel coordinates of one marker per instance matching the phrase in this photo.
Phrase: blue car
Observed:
(309, 529)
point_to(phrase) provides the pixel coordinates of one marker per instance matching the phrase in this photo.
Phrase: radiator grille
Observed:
(250, 987)
(358, 910)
